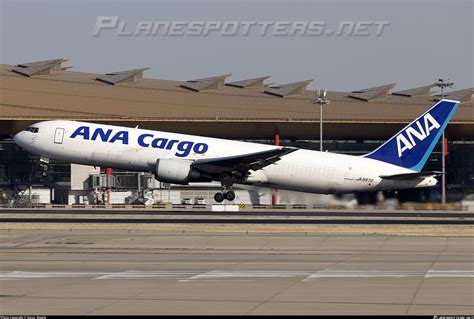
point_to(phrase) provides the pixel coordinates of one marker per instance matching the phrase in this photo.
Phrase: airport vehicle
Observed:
(186, 201)
(182, 159)
(199, 200)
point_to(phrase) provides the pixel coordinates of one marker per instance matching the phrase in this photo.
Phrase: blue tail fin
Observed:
(411, 147)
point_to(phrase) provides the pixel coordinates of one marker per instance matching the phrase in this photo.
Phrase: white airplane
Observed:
(181, 159)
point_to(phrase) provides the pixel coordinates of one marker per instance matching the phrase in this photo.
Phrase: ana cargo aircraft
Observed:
(181, 159)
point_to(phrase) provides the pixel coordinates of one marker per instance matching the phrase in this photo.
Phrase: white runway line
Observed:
(132, 274)
(388, 274)
(213, 275)
(449, 273)
(46, 274)
(220, 274)
(364, 274)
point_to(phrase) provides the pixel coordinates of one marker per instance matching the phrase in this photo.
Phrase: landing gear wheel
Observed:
(230, 195)
(219, 197)
(44, 170)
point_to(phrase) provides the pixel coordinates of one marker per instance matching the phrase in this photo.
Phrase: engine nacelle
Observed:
(177, 171)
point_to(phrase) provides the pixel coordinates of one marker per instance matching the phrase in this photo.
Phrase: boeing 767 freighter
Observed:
(181, 159)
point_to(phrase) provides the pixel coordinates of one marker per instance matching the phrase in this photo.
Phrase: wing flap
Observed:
(241, 163)
(409, 176)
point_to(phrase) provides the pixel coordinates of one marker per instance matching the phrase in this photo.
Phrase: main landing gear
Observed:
(225, 194)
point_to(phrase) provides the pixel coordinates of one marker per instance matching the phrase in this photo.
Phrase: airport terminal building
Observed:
(253, 110)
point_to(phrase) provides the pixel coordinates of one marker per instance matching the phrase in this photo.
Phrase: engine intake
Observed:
(179, 172)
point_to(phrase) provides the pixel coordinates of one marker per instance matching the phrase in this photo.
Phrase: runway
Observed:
(268, 217)
(266, 213)
(163, 272)
(238, 221)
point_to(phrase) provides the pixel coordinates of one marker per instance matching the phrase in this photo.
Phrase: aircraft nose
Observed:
(17, 138)
(20, 139)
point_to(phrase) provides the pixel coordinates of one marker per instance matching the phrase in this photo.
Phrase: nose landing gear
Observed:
(44, 171)
(43, 164)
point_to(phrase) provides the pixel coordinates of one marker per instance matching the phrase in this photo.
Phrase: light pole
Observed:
(441, 83)
(320, 98)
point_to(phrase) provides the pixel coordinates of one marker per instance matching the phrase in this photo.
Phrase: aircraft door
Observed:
(59, 135)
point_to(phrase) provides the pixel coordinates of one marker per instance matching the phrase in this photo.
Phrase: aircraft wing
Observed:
(406, 176)
(239, 166)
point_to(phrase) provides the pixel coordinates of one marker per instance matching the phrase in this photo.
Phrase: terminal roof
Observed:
(461, 95)
(226, 111)
(374, 93)
(40, 67)
(289, 89)
(205, 84)
(122, 76)
(256, 82)
(418, 91)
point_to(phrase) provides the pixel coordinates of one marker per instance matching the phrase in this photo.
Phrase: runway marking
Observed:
(449, 273)
(388, 274)
(24, 254)
(132, 274)
(215, 275)
(252, 274)
(364, 274)
(47, 274)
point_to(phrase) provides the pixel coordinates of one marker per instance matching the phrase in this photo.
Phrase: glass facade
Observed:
(18, 168)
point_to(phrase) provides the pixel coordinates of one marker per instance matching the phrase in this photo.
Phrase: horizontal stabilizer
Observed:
(407, 176)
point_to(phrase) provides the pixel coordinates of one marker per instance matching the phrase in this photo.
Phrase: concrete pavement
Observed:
(160, 272)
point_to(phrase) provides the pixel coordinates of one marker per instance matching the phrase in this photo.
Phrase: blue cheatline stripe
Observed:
(418, 167)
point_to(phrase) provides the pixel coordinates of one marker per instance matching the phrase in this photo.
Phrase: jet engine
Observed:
(177, 171)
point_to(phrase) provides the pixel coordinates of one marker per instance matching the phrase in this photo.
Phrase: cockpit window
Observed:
(32, 129)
